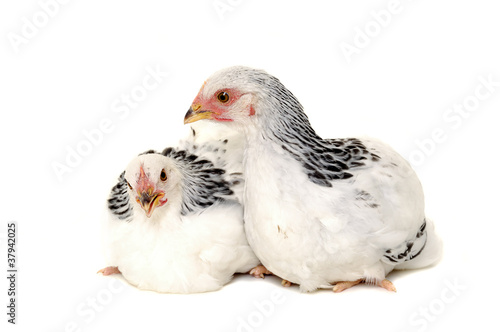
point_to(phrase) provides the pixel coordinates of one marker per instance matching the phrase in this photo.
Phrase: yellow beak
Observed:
(149, 201)
(195, 113)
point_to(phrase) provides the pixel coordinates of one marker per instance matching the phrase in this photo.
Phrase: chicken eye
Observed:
(128, 184)
(223, 97)
(163, 175)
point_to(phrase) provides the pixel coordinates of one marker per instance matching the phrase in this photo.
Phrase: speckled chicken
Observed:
(318, 212)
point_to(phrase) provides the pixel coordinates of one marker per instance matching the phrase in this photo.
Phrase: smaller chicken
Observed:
(175, 225)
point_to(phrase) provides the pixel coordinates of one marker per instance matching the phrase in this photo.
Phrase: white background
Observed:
(71, 72)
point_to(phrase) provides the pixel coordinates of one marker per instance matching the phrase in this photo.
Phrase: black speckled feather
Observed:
(118, 202)
(323, 160)
(408, 250)
(204, 183)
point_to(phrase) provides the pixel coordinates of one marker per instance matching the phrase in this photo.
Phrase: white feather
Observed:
(180, 254)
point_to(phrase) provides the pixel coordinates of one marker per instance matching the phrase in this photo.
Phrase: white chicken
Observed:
(175, 225)
(318, 212)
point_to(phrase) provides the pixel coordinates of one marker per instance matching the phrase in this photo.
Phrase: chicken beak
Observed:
(195, 113)
(149, 200)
